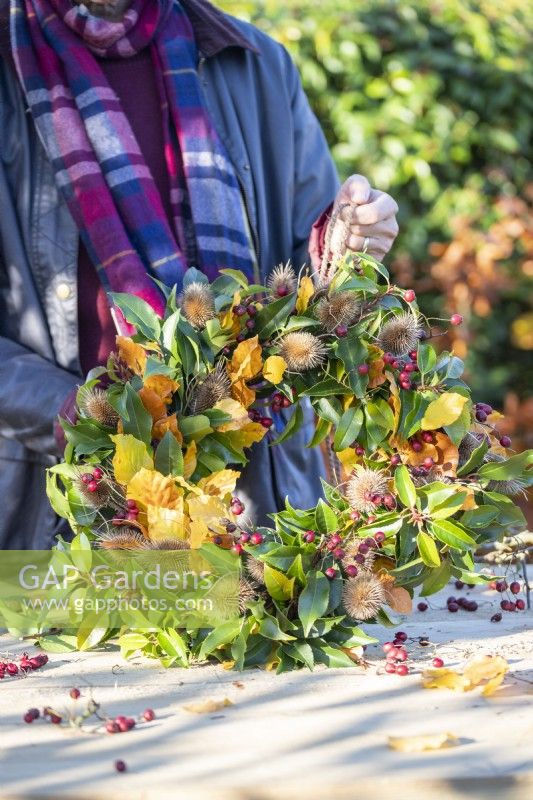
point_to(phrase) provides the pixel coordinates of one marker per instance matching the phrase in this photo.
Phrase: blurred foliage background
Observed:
(432, 100)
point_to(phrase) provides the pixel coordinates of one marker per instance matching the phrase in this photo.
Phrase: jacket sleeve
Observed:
(32, 392)
(316, 182)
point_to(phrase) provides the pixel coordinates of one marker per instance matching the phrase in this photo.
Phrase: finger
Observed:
(377, 247)
(357, 189)
(371, 213)
(387, 228)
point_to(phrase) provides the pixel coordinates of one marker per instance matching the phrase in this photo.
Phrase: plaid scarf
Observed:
(98, 164)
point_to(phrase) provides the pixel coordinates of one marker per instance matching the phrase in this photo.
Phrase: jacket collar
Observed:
(213, 30)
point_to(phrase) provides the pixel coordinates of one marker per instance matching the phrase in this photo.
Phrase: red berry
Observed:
(75, 693)
(351, 570)
(496, 617)
(98, 473)
(456, 319)
(256, 538)
(236, 506)
(409, 296)
(330, 573)
(250, 324)
(120, 765)
(379, 537)
(416, 446)
(395, 460)
(244, 538)
(401, 654)
(504, 605)
(28, 717)
(371, 518)
(505, 441)
(12, 669)
(514, 587)
(149, 715)
(338, 554)
(132, 516)
(131, 505)
(413, 355)
(511, 606)
(409, 368)
(87, 477)
(390, 668)
(266, 422)
(238, 548)
(520, 604)
(341, 331)
(359, 451)
(355, 515)
(130, 723)
(422, 606)
(92, 486)
(402, 669)
(282, 290)
(309, 536)
(428, 462)
(363, 369)
(427, 437)
(112, 727)
(437, 662)
(402, 636)
(55, 719)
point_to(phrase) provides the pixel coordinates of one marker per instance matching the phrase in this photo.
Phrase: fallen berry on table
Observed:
(422, 606)
(149, 715)
(453, 607)
(112, 727)
(496, 617)
(75, 693)
(390, 668)
(520, 605)
(437, 663)
(120, 766)
(402, 669)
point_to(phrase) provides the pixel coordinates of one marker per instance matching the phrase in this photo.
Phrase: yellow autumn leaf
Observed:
(447, 454)
(207, 509)
(162, 385)
(443, 411)
(150, 488)
(486, 668)
(133, 354)
(166, 523)
(246, 361)
(488, 671)
(396, 597)
(237, 412)
(348, 458)
(228, 320)
(165, 424)
(131, 455)
(444, 679)
(219, 483)
(198, 534)
(273, 369)
(189, 460)
(208, 706)
(248, 435)
(153, 403)
(306, 290)
(242, 393)
(418, 744)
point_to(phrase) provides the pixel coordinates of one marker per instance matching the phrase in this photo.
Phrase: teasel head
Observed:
(363, 486)
(100, 497)
(255, 568)
(363, 596)
(468, 444)
(509, 487)
(302, 351)
(399, 334)
(282, 280)
(93, 403)
(351, 550)
(431, 475)
(248, 592)
(198, 304)
(123, 538)
(339, 308)
(215, 387)
(172, 554)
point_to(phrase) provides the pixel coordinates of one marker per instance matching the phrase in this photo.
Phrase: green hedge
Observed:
(433, 101)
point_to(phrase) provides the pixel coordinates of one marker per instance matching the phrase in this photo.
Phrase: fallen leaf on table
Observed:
(208, 706)
(238, 684)
(487, 670)
(417, 744)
